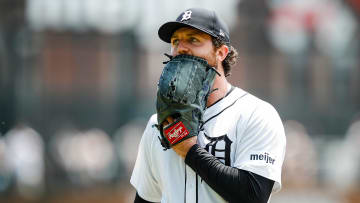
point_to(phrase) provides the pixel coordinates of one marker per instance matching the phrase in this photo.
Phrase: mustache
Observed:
(213, 66)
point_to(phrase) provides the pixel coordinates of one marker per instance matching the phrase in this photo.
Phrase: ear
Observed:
(222, 52)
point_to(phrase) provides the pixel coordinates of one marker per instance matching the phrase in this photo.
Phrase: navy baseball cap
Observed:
(198, 18)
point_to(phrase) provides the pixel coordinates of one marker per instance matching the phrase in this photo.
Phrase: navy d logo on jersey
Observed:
(220, 147)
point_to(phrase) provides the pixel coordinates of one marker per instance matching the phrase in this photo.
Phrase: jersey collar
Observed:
(232, 96)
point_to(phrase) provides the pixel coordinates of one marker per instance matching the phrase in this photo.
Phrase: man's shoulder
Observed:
(153, 119)
(151, 129)
(252, 108)
(250, 101)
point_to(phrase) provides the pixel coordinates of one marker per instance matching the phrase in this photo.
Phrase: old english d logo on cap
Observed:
(186, 15)
(199, 18)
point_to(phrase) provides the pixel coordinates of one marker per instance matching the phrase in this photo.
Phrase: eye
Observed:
(193, 39)
(174, 42)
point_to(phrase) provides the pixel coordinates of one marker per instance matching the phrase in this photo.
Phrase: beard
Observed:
(211, 59)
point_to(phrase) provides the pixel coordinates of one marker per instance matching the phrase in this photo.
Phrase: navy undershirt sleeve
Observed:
(233, 184)
(138, 199)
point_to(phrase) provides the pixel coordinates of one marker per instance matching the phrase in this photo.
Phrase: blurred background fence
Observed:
(78, 83)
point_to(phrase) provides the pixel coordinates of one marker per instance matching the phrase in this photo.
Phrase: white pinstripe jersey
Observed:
(241, 130)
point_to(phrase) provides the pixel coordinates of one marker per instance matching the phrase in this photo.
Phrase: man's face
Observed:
(193, 42)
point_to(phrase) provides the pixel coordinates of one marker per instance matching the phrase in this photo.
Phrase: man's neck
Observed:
(221, 85)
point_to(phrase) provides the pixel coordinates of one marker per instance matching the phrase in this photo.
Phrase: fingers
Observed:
(165, 124)
(183, 147)
(168, 121)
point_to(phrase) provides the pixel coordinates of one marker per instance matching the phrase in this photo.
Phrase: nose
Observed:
(181, 48)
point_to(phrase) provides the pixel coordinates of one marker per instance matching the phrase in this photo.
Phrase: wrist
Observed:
(190, 154)
(183, 147)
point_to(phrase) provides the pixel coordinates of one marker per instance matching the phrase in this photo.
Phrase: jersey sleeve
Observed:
(261, 144)
(144, 177)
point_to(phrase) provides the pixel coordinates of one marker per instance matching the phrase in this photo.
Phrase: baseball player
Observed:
(209, 141)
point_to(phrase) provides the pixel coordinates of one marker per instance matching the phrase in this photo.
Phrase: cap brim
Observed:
(167, 30)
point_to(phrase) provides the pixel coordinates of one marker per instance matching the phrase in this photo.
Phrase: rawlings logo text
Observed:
(176, 132)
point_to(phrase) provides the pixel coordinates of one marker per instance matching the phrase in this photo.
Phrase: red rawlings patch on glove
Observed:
(176, 132)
